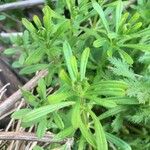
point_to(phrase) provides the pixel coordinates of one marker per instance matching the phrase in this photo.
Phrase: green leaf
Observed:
(16, 64)
(118, 142)
(20, 113)
(75, 118)
(112, 112)
(58, 120)
(110, 84)
(64, 133)
(99, 133)
(121, 100)
(126, 57)
(35, 56)
(68, 54)
(58, 97)
(82, 143)
(42, 126)
(44, 110)
(119, 10)
(47, 18)
(64, 77)
(74, 66)
(99, 42)
(33, 68)
(142, 47)
(84, 60)
(37, 148)
(134, 18)
(42, 88)
(87, 134)
(30, 98)
(104, 103)
(10, 51)
(28, 25)
(37, 21)
(100, 11)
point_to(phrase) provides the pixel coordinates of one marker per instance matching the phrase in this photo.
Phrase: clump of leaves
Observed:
(100, 94)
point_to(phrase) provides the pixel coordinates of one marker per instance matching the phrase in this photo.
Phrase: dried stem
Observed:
(26, 136)
(10, 101)
(8, 35)
(20, 4)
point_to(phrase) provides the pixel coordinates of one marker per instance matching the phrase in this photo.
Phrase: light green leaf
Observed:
(118, 142)
(35, 56)
(126, 57)
(44, 110)
(142, 47)
(87, 134)
(64, 133)
(100, 11)
(58, 97)
(74, 66)
(10, 51)
(37, 21)
(33, 68)
(84, 60)
(37, 148)
(30, 98)
(42, 126)
(68, 54)
(64, 77)
(29, 26)
(112, 112)
(20, 113)
(104, 103)
(42, 88)
(101, 143)
(99, 42)
(82, 143)
(58, 120)
(75, 118)
(119, 10)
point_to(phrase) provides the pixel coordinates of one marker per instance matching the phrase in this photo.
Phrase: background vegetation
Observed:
(97, 56)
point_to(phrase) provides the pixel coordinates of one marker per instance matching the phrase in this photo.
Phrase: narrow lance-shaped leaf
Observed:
(119, 10)
(64, 133)
(84, 60)
(42, 126)
(100, 11)
(99, 133)
(58, 120)
(74, 66)
(112, 112)
(64, 77)
(142, 47)
(87, 134)
(118, 142)
(68, 54)
(28, 25)
(44, 110)
(75, 118)
(42, 88)
(33, 68)
(37, 21)
(126, 57)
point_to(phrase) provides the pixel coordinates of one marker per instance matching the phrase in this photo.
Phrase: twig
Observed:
(10, 101)
(21, 4)
(25, 136)
(8, 35)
